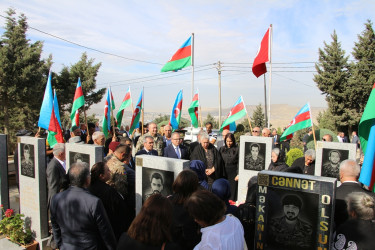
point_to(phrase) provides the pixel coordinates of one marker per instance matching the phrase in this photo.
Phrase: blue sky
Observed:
(229, 31)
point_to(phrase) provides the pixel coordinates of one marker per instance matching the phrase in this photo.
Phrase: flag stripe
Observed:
(176, 65)
(295, 127)
(233, 118)
(237, 108)
(181, 53)
(47, 105)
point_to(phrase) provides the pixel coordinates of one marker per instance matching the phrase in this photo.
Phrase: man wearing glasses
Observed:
(256, 131)
(175, 149)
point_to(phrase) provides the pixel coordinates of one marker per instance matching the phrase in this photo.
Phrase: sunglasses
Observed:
(324, 139)
(256, 131)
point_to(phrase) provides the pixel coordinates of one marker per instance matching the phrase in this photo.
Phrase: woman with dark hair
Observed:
(357, 232)
(151, 229)
(219, 231)
(185, 231)
(114, 204)
(230, 155)
(221, 188)
(277, 161)
(200, 169)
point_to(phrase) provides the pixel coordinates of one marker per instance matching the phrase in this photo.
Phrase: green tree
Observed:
(332, 79)
(23, 76)
(257, 119)
(66, 83)
(362, 73)
(210, 118)
(324, 119)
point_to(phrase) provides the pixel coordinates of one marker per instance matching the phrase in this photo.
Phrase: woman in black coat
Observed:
(114, 204)
(210, 156)
(230, 155)
(277, 161)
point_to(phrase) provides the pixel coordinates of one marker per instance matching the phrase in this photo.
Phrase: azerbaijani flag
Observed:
(136, 114)
(181, 59)
(300, 121)
(366, 132)
(193, 110)
(231, 127)
(237, 112)
(125, 103)
(55, 134)
(45, 114)
(78, 102)
(263, 56)
(107, 114)
(176, 111)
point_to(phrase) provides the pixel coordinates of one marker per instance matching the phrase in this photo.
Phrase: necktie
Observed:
(149, 153)
(178, 153)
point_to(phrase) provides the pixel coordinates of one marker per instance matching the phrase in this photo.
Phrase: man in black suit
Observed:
(349, 174)
(79, 220)
(175, 149)
(57, 179)
(148, 147)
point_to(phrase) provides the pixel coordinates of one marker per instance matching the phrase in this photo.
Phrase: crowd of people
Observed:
(93, 207)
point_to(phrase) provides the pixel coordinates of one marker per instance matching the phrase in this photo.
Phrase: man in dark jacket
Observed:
(57, 179)
(175, 149)
(349, 174)
(148, 147)
(79, 220)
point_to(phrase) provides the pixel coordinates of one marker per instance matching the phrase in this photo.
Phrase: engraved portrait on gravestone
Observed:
(288, 229)
(331, 162)
(27, 160)
(156, 182)
(75, 157)
(254, 156)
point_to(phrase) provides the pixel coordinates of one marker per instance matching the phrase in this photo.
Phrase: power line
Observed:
(154, 79)
(166, 75)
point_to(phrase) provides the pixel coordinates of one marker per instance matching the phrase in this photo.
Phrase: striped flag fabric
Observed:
(263, 55)
(237, 112)
(193, 110)
(47, 105)
(55, 133)
(125, 103)
(366, 132)
(176, 111)
(181, 59)
(300, 121)
(78, 102)
(107, 114)
(136, 114)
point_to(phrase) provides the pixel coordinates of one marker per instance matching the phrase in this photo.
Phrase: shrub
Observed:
(292, 155)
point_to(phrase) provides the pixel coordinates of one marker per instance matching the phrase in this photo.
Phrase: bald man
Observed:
(349, 175)
(266, 132)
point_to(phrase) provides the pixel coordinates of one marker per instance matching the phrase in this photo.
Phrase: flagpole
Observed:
(265, 100)
(269, 93)
(192, 67)
(312, 126)
(142, 110)
(248, 119)
(87, 126)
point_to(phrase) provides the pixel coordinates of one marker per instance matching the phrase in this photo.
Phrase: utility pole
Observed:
(219, 74)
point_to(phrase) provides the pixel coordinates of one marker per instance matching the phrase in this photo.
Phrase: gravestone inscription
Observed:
(294, 211)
